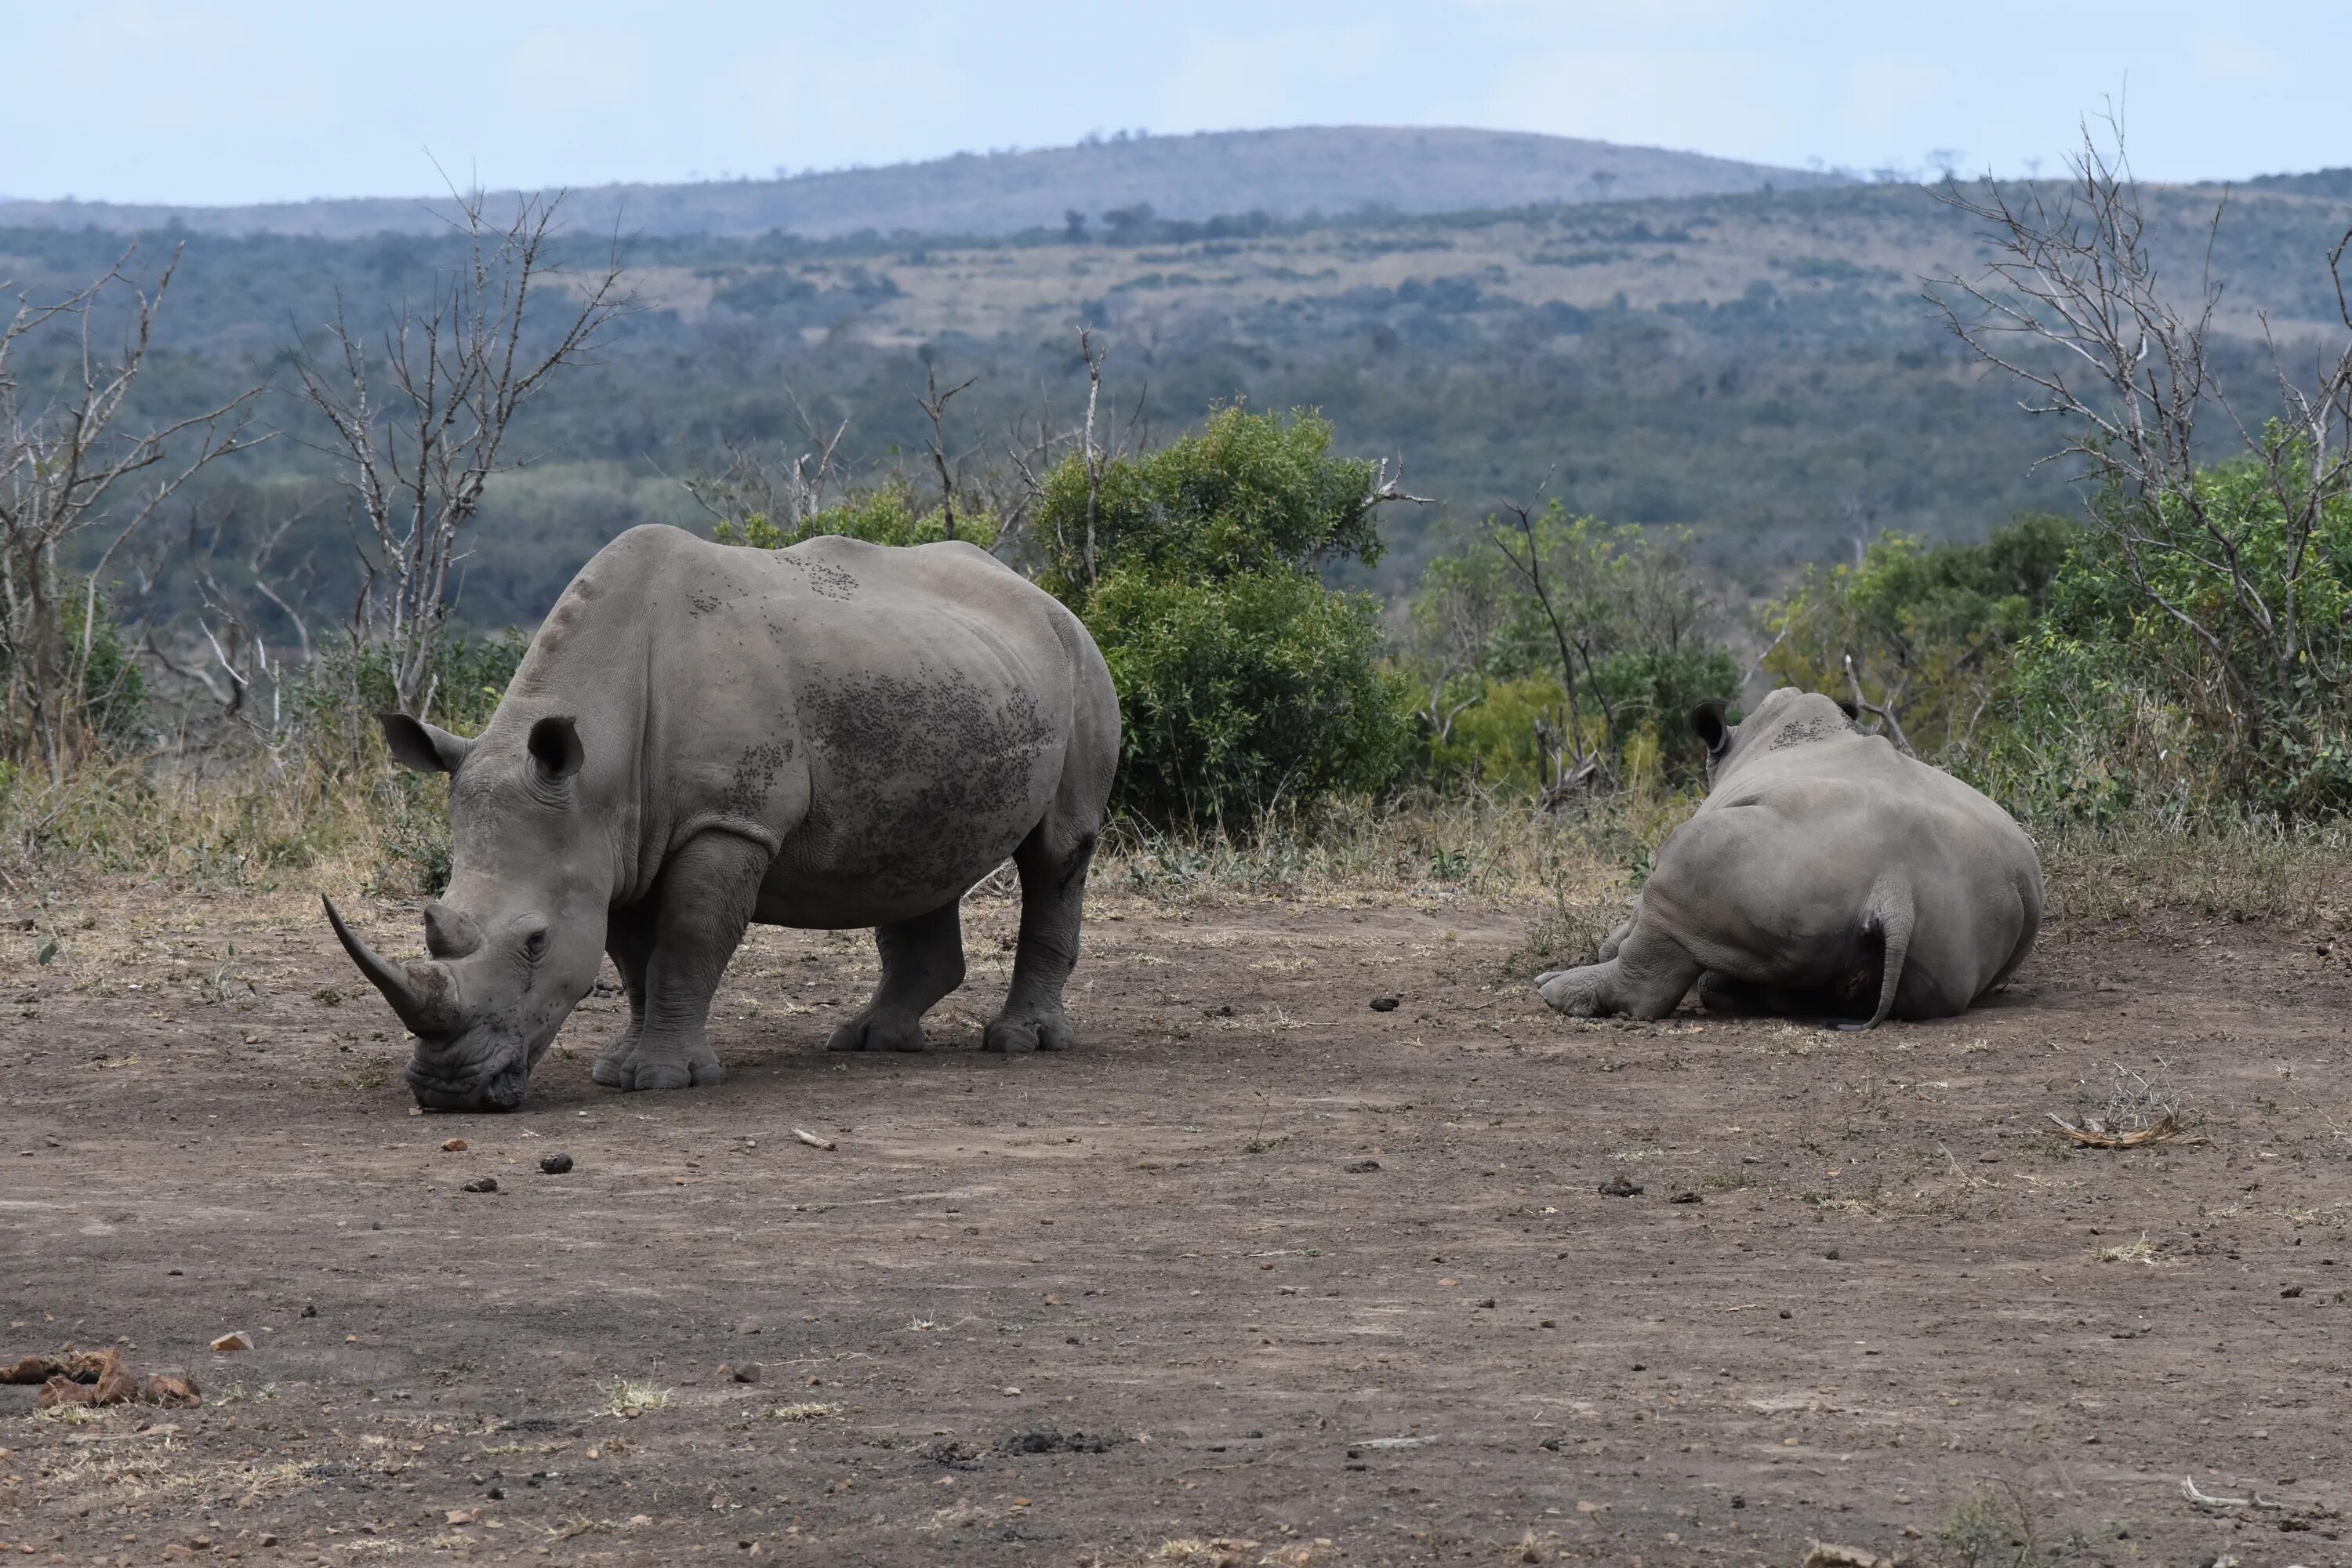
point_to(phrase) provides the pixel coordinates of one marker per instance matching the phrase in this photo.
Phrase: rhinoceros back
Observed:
(889, 721)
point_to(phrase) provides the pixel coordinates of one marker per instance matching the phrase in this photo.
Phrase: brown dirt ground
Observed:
(1903, 1305)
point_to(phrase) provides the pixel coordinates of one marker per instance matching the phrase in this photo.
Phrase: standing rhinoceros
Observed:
(1826, 873)
(837, 734)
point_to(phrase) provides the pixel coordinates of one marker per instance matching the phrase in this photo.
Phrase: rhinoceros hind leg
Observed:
(922, 961)
(1053, 863)
(699, 910)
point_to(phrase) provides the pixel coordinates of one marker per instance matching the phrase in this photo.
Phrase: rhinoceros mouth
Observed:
(496, 1086)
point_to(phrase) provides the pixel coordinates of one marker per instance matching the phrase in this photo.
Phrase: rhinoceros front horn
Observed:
(418, 993)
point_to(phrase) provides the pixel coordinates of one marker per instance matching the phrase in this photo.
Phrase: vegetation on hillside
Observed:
(1757, 368)
(2178, 656)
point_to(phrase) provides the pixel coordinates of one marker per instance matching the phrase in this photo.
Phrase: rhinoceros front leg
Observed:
(1647, 976)
(922, 961)
(1053, 868)
(699, 912)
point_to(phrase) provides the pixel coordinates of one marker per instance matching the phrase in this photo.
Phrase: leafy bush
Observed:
(1564, 653)
(1922, 636)
(1243, 679)
(107, 707)
(2160, 675)
(883, 515)
(1236, 695)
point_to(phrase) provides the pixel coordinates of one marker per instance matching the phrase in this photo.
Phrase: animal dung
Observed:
(482, 1184)
(555, 1164)
(1618, 1186)
(453, 1146)
(1384, 1004)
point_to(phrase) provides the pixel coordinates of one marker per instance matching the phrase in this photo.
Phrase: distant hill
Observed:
(1283, 173)
(1756, 366)
(2331, 183)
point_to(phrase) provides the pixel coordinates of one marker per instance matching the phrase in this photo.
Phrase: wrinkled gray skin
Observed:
(1826, 875)
(830, 736)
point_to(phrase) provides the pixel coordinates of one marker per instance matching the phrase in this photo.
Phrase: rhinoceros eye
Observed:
(534, 946)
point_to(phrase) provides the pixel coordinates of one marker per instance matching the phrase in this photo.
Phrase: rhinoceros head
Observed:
(1787, 711)
(516, 941)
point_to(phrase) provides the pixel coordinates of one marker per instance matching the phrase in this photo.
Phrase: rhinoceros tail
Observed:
(1890, 915)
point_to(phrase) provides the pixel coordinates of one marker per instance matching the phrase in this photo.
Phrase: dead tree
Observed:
(1566, 596)
(787, 498)
(225, 649)
(2071, 305)
(419, 419)
(65, 469)
(934, 404)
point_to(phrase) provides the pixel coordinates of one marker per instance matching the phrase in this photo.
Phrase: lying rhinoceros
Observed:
(1826, 874)
(834, 735)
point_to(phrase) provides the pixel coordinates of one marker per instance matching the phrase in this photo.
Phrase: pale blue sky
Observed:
(229, 100)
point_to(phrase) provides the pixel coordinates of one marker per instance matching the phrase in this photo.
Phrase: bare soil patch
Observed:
(1257, 1274)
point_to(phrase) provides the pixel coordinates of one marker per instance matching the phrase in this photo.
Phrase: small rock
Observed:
(750, 1372)
(1831, 1255)
(1361, 1167)
(309, 1309)
(2292, 1291)
(555, 1164)
(1786, 1313)
(237, 1340)
(1225, 1010)
(1384, 1004)
(482, 1184)
(1618, 1186)
(453, 1146)
(1685, 1198)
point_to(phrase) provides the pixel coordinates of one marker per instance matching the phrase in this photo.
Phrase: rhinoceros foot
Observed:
(1012, 1037)
(1575, 991)
(878, 1032)
(636, 1062)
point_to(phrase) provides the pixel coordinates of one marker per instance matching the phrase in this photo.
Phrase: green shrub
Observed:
(103, 710)
(1541, 644)
(2157, 677)
(883, 515)
(1925, 633)
(1238, 694)
(1243, 679)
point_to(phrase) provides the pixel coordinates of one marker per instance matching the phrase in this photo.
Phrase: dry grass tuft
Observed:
(2211, 865)
(2141, 1108)
(623, 1397)
(2142, 1251)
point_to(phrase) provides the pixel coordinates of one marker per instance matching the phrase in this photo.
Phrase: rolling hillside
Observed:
(1760, 367)
(1285, 174)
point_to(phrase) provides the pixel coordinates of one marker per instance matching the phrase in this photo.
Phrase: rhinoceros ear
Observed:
(1706, 723)
(416, 745)
(555, 747)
